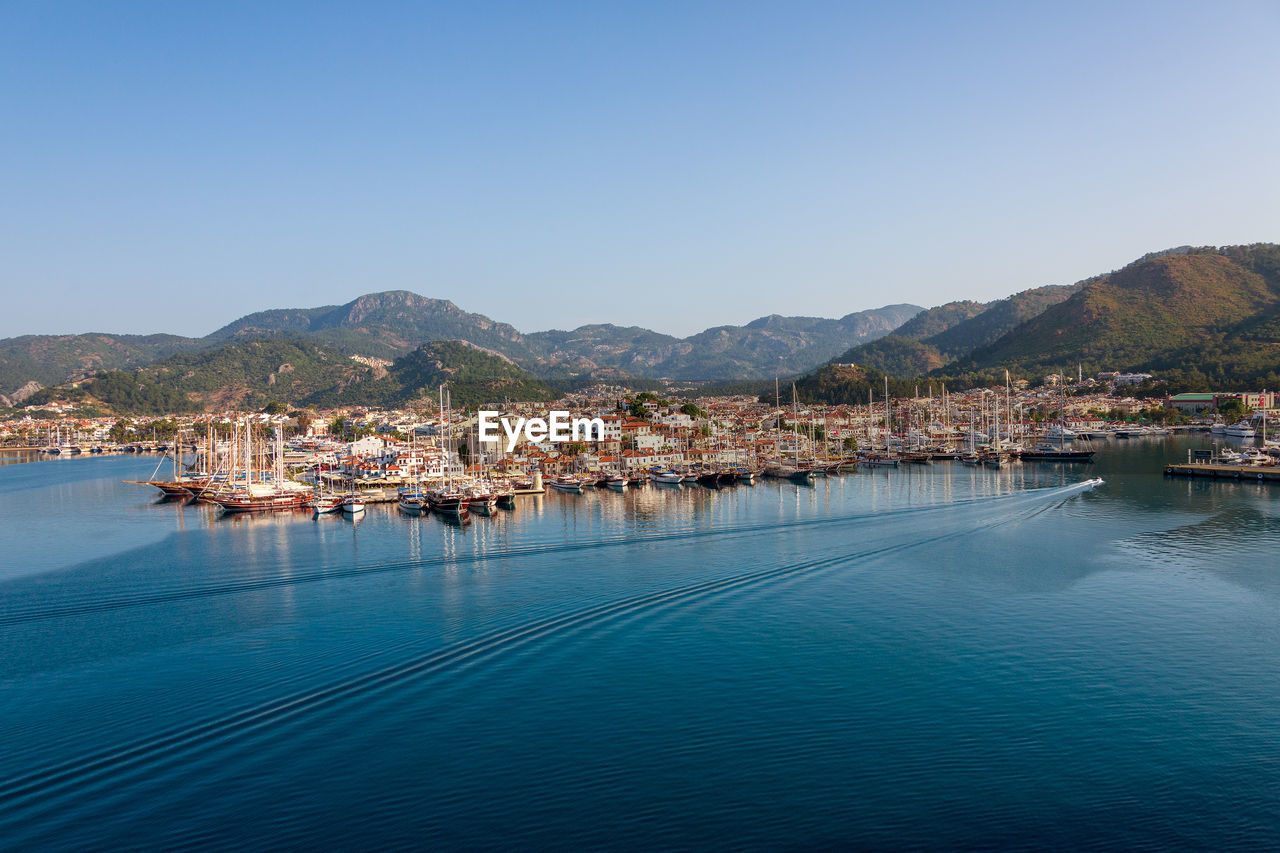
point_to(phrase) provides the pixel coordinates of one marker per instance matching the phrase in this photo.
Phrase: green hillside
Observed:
(907, 351)
(1207, 311)
(251, 374)
(939, 336)
(998, 319)
(934, 321)
(245, 375)
(1195, 317)
(474, 378)
(896, 355)
(53, 359)
(840, 384)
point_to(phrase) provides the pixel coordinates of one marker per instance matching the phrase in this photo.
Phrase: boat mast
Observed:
(279, 454)
(1062, 409)
(1008, 406)
(445, 442)
(795, 421)
(995, 405)
(871, 413)
(887, 425)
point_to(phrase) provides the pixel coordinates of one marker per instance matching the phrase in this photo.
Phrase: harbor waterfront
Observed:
(930, 655)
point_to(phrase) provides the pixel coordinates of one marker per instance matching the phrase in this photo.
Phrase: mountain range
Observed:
(938, 337)
(1197, 317)
(391, 324)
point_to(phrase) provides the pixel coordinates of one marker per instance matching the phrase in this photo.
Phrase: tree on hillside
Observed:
(1233, 409)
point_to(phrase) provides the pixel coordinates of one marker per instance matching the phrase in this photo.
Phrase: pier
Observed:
(1216, 470)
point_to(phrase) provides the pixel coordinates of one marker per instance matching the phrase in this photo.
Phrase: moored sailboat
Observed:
(259, 495)
(323, 503)
(447, 500)
(411, 501)
(566, 483)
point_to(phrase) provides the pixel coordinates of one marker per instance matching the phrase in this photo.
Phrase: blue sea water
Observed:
(933, 656)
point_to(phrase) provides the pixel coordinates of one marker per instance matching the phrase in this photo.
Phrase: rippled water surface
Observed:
(936, 656)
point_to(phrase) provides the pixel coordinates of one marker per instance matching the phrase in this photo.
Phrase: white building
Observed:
(366, 446)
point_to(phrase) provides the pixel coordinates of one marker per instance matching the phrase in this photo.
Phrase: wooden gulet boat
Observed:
(181, 485)
(447, 500)
(412, 501)
(260, 496)
(566, 483)
(481, 500)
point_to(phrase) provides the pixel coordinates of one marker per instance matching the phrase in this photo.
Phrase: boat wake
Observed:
(66, 607)
(45, 789)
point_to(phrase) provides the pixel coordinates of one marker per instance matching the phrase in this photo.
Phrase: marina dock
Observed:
(1213, 470)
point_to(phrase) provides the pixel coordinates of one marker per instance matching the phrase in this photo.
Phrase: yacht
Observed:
(567, 483)
(1240, 429)
(1060, 432)
(1049, 453)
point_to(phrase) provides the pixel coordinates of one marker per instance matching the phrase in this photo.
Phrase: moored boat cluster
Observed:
(341, 461)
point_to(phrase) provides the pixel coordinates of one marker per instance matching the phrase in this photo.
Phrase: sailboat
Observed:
(411, 501)
(1047, 452)
(353, 503)
(873, 458)
(481, 499)
(447, 500)
(993, 457)
(323, 504)
(798, 473)
(259, 495)
(665, 476)
(181, 484)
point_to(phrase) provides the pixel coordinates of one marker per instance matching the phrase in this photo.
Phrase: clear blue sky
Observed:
(172, 166)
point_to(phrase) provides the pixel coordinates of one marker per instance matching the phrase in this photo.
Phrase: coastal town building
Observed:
(1212, 400)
